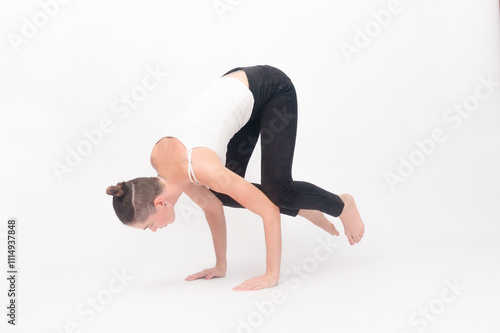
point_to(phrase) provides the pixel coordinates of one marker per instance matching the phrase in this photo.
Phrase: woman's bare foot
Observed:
(319, 219)
(353, 225)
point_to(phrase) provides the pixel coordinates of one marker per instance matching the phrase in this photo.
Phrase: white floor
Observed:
(379, 285)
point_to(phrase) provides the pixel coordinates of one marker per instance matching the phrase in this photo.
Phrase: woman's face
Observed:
(163, 216)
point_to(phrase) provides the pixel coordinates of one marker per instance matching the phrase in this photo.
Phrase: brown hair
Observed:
(133, 201)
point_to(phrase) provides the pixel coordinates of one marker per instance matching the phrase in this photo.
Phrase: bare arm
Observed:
(220, 179)
(212, 207)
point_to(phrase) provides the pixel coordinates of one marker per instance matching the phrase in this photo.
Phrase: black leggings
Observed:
(274, 117)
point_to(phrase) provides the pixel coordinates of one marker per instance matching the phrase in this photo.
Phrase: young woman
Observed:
(205, 153)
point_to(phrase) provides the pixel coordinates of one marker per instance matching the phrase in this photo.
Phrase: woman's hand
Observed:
(258, 282)
(208, 273)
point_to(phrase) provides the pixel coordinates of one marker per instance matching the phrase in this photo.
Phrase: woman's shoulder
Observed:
(169, 151)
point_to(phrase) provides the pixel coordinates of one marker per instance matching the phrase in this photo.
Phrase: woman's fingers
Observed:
(196, 276)
(257, 283)
(208, 274)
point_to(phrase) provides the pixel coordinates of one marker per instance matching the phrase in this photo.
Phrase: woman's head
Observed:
(141, 203)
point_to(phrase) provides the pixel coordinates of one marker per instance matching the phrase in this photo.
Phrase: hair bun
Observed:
(117, 190)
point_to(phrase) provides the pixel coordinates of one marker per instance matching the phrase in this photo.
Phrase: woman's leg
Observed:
(319, 219)
(278, 125)
(239, 151)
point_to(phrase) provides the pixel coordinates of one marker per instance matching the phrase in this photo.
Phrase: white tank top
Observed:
(211, 119)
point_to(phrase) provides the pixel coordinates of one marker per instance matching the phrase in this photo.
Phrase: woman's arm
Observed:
(212, 174)
(214, 214)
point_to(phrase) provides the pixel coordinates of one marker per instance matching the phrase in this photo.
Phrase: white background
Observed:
(356, 118)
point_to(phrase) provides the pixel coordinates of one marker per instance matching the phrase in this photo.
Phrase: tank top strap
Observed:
(191, 175)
